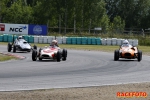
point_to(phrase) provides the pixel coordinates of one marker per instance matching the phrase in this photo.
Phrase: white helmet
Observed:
(20, 37)
(125, 42)
(54, 42)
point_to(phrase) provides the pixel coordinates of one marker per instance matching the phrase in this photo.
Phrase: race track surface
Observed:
(81, 69)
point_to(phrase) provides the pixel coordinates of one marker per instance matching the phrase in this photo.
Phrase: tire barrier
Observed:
(89, 41)
(79, 40)
(73, 40)
(36, 39)
(10, 38)
(69, 40)
(114, 41)
(108, 41)
(64, 41)
(59, 40)
(119, 41)
(135, 42)
(98, 41)
(30, 39)
(5, 37)
(50, 38)
(93, 41)
(103, 41)
(1, 38)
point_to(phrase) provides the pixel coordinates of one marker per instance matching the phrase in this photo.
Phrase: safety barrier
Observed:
(69, 40)
(1, 38)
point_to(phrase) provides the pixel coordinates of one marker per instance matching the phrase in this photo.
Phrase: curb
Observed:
(14, 55)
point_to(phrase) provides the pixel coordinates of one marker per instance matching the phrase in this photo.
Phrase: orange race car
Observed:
(128, 51)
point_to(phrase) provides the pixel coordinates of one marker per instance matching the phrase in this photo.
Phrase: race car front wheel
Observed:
(139, 55)
(116, 55)
(64, 54)
(9, 47)
(14, 48)
(34, 55)
(35, 47)
(58, 56)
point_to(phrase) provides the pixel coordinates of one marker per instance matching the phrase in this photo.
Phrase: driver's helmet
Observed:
(54, 42)
(125, 42)
(20, 37)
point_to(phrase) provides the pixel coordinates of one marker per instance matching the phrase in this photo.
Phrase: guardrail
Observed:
(69, 40)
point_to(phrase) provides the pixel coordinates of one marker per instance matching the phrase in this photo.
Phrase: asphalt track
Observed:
(81, 69)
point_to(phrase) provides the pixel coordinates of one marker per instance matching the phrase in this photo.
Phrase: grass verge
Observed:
(6, 57)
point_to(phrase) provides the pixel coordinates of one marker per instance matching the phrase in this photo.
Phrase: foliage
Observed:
(78, 14)
(118, 24)
(134, 12)
(18, 13)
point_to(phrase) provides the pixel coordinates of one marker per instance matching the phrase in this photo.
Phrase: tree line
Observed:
(78, 14)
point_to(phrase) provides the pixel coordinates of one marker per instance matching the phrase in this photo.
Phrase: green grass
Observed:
(144, 49)
(5, 57)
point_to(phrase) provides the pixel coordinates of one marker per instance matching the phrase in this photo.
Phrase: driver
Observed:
(126, 43)
(54, 43)
(20, 37)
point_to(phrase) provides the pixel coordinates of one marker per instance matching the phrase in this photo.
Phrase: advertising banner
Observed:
(37, 30)
(21, 29)
(2, 28)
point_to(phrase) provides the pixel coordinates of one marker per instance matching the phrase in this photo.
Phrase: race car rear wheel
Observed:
(9, 47)
(64, 54)
(58, 56)
(35, 47)
(116, 55)
(34, 55)
(14, 48)
(139, 55)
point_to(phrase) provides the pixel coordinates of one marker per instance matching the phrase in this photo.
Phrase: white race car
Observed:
(20, 45)
(52, 52)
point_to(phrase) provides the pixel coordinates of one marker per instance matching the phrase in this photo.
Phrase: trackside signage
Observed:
(14, 28)
(37, 30)
(2, 28)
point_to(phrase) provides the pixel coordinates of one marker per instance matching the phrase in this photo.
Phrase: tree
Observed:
(133, 12)
(18, 13)
(118, 24)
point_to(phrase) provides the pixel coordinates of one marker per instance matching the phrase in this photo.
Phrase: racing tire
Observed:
(64, 54)
(9, 47)
(116, 55)
(58, 57)
(35, 47)
(139, 55)
(14, 48)
(34, 55)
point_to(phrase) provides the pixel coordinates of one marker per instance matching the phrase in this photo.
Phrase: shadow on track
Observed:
(126, 60)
